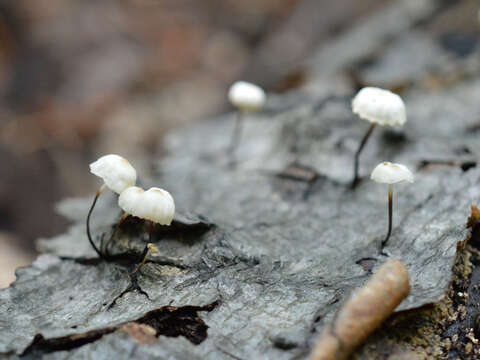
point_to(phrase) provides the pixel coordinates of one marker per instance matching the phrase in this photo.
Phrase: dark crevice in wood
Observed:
(170, 321)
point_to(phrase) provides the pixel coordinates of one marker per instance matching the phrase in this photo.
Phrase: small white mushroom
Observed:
(117, 175)
(246, 97)
(155, 205)
(390, 173)
(115, 171)
(379, 107)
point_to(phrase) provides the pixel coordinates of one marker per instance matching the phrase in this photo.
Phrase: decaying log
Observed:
(262, 253)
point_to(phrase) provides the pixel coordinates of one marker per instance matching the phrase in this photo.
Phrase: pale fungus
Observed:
(246, 97)
(390, 173)
(115, 171)
(155, 205)
(117, 175)
(379, 107)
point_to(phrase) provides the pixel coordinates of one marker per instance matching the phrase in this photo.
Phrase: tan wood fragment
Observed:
(366, 309)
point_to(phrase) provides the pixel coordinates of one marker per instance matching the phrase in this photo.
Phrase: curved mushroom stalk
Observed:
(99, 192)
(390, 208)
(149, 248)
(155, 205)
(379, 107)
(357, 155)
(245, 97)
(390, 173)
(117, 175)
(236, 135)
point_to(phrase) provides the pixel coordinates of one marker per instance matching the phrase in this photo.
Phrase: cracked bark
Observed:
(280, 240)
(169, 321)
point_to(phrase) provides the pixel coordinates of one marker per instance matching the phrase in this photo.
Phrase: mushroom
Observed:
(117, 175)
(390, 173)
(155, 205)
(246, 97)
(379, 107)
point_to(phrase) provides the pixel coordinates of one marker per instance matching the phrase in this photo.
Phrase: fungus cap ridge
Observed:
(391, 173)
(379, 106)
(246, 96)
(155, 204)
(115, 171)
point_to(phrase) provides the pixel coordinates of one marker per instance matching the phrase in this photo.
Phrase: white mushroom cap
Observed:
(390, 173)
(379, 106)
(155, 204)
(246, 96)
(116, 172)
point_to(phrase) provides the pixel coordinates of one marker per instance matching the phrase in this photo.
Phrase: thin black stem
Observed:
(390, 206)
(237, 132)
(99, 192)
(144, 259)
(150, 228)
(145, 250)
(355, 180)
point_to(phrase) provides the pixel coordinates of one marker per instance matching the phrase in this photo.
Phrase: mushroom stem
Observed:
(237, 131)
(150, 228)
(122, 219)
(145, 251)
(390, 206)
(99, 192)
(357, 155)
(144, 260)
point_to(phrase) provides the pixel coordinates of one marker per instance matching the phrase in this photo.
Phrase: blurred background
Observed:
(83, 78)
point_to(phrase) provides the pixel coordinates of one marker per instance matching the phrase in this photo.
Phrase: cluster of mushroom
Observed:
(377, 106)
(384, 108)
(154, 205)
